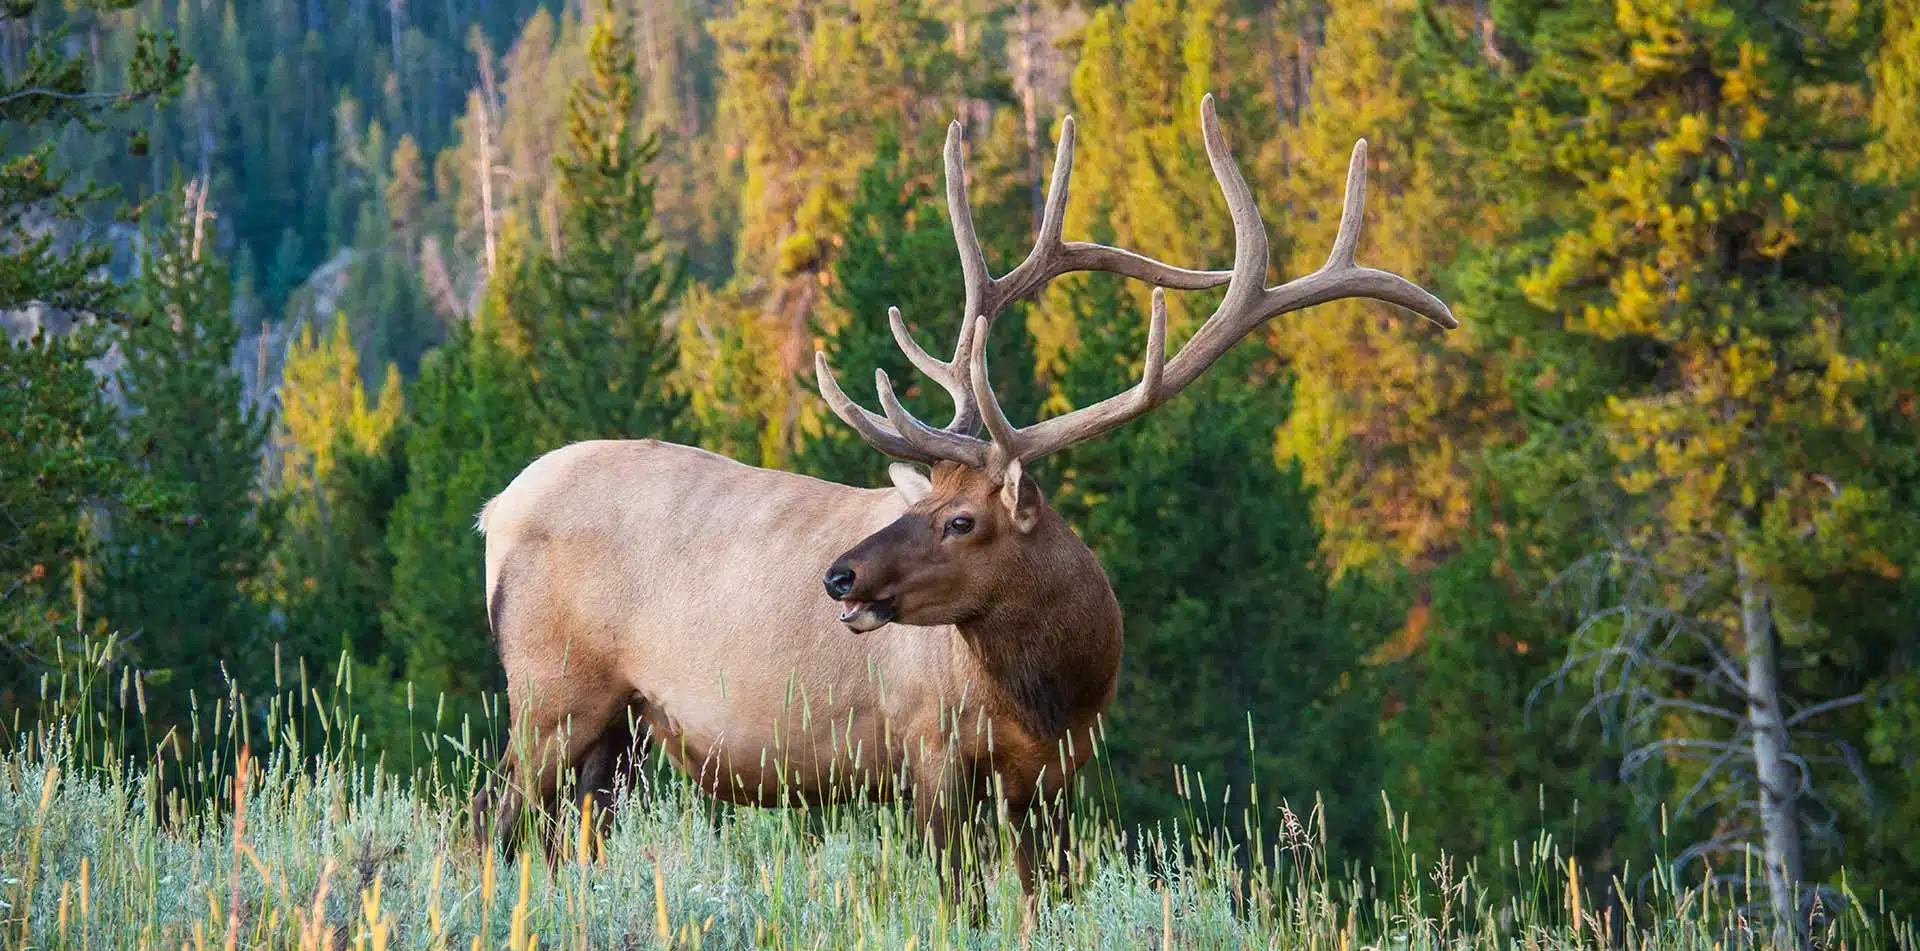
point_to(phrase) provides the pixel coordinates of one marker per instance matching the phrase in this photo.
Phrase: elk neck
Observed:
(1051, 647)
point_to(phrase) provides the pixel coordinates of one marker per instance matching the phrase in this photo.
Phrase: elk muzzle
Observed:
(866, 579)
(862, 610)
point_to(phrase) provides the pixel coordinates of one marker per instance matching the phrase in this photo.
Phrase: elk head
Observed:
(980, 525)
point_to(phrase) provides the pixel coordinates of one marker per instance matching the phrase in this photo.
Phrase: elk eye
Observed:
(960, 525)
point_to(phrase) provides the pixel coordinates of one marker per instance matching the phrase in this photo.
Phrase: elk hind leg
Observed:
(557, 723)
(611, 766)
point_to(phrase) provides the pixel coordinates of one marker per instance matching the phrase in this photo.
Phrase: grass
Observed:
(298, 838)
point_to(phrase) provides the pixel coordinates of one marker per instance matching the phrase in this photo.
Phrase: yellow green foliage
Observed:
(1696, 237)
(790, 73)
(1140, 167)
(324, 406)
(742, 405)
(1894, 156)
(1388, 413)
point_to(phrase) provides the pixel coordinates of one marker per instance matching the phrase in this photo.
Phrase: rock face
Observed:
(261, 353)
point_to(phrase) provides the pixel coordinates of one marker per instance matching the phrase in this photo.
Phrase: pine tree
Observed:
(340, 474)
(324, 406)
(469, 433)
(1140, 165)
(897, 250)
(1388, 415)
(59, 452)
(1238, 655)
(789, 73)
(1686, 183)
(184, 590)
(736, 407)
(603, 359)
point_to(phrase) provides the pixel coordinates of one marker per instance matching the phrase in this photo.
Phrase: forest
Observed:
(1629, 562)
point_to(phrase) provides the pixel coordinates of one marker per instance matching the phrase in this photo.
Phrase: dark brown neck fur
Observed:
(1053, 649)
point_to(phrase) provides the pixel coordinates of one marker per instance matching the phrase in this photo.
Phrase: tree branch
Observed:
(1828, 706)
(60, 96)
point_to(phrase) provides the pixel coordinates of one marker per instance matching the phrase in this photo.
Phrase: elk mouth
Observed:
(863, 616)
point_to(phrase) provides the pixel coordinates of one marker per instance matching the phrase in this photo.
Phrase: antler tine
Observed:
(1248, 302)
(1005, 440)
(1147, 394)
(1353, 210)
(1250, 247)
(952, 377)
(871, 428)
(1046, 251)
(935, 443)
(1340, 277)
(973, 262)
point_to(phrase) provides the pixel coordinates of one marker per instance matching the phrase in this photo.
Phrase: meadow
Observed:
(289, 289)
(280, 828)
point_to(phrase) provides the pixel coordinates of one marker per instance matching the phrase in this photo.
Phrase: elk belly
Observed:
(767, 751)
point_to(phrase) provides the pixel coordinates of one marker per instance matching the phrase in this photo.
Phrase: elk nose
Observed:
(839, 582)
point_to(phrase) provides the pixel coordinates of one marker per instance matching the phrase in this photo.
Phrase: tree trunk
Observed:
(1028, 79)
(396, 28)
(486, 189)
(1779, 780)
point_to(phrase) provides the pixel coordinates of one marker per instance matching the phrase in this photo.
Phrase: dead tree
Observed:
(1684, 668)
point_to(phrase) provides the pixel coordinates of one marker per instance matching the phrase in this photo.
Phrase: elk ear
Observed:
(910, 481)
(1021, 499)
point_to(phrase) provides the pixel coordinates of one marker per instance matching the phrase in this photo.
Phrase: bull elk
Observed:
(640, 589)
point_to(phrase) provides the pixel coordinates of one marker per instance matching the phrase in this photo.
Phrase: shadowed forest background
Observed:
(294, 286)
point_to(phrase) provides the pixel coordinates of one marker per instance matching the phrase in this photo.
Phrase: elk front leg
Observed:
(1045, 847)
(946, 807)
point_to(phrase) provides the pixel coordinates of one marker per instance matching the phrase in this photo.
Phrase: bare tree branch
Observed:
(1828, 706)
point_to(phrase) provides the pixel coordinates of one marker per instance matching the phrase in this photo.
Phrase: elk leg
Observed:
(613, 763)
(555, 724)
(1045, 847)
(945, 806)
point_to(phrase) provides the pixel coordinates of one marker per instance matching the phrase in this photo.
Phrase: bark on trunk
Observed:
(397, 28)
(485, 172)
(1030, 112)
(1779, 780)
(489, 94)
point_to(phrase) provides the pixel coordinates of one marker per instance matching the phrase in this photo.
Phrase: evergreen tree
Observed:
(1686, 180)
(469, 433)
(898, 251)
(788, 74)
(340, 473)
(1388, 414)
(184, 590)
(59, 452)
(1467, 723)
(736, 406)
(1140, 164)
(602, 358)
(1238, 656)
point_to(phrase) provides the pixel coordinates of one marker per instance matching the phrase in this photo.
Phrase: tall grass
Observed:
(278, 829)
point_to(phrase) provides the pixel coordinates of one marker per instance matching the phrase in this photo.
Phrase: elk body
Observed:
(967, 640)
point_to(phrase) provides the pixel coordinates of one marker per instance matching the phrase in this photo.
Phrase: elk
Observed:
(641, 590)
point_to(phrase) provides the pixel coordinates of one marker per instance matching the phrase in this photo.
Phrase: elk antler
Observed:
(898, 434)
(1248, 304)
